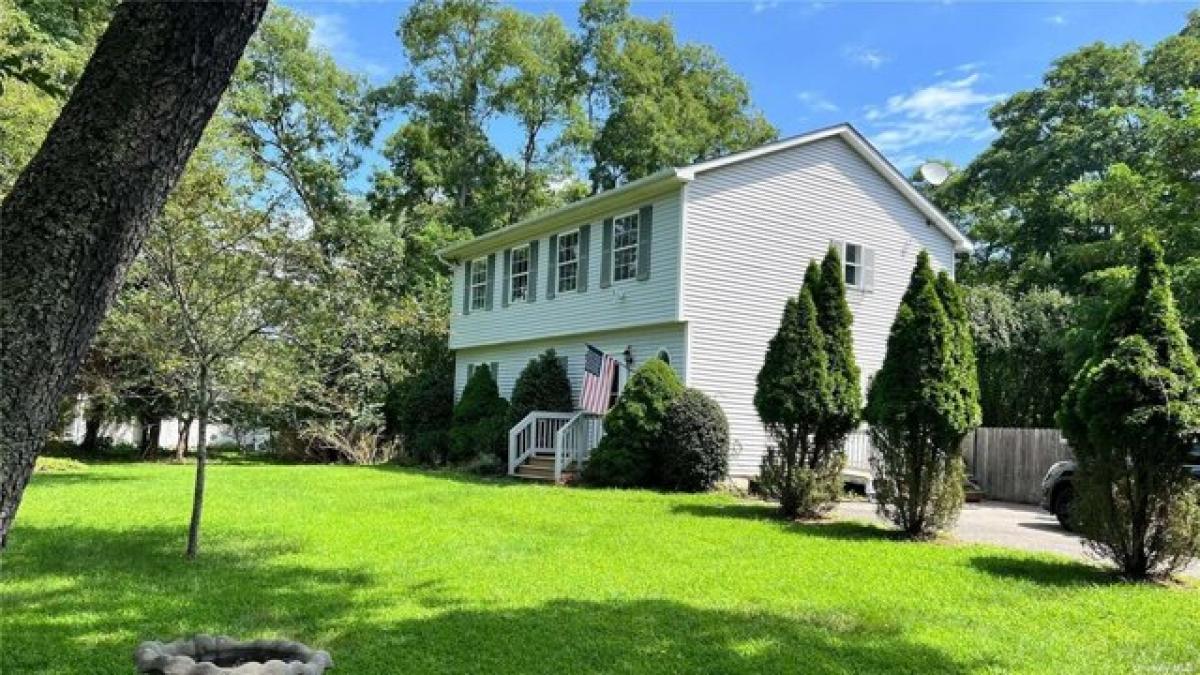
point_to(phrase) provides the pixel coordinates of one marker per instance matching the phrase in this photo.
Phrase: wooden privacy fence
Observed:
(1009, 464)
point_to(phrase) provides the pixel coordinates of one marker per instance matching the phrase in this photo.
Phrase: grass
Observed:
(402, 571)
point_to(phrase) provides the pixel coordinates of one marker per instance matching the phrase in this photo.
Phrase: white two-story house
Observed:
(692, 264)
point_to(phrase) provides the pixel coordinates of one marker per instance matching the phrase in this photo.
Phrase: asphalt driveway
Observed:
(1002, 524)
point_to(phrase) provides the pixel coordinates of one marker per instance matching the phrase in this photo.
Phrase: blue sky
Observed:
(916, 78)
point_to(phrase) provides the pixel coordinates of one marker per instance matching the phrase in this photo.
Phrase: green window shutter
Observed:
(645, 239)
(466, 308)
(606, 254)
(552, 268)
(531, 293)
(507, 276)
(585, 243)
(491, 282)
(495, 370)
(470, 372)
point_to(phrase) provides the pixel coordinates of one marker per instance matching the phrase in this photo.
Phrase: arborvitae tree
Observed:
(1131, 414)
(917, 414)
(962, 350)
(792, 398)
(835, 319)
(543, 385)
(480, 420)
(629, 455)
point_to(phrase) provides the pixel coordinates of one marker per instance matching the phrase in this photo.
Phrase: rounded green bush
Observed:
(695, 443)
(630, 453)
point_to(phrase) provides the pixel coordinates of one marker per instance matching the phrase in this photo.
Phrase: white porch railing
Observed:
(859, 452)
(535, 433)
(574, 442)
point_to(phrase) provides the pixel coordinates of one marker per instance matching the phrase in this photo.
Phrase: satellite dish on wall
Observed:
(934, 173)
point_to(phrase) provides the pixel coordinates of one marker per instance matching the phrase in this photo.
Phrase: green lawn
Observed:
(398, 571)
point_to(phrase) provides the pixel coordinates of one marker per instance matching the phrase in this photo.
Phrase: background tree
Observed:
(1021, 353)
(1131, 414)
(792, 398)
(75, 216)
(420, 409)
(542, 385)
(917, 411)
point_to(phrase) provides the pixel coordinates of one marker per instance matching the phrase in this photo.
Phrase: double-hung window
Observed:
(479, 284)
(625, 247)
(567, 262)
(854, 265)
(518, 274)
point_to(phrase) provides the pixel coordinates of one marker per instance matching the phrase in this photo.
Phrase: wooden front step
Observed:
(537, 467)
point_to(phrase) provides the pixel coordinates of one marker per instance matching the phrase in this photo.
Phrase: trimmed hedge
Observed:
(695, 443)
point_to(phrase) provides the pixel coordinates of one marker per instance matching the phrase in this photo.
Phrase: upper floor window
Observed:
(567, 262)
(518, 274)
(479, 284)
(625, 247)
(854, 265)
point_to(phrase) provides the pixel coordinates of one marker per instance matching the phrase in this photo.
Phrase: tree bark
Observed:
(151, 429)
(193, 540)
(78, 213)
(91, 433)
(184, 426)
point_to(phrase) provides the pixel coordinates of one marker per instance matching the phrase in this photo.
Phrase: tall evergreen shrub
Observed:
(542, 385)
(845, 393)
(792, 397)
(480, 420)
(1130, 414)
(919, 407)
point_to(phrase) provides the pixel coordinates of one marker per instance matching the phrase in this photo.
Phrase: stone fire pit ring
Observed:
(207, 655)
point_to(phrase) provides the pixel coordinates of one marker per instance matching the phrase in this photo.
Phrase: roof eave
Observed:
(566, 214)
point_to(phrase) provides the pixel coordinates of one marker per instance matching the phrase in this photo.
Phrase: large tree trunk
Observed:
(79, 211)
(91, 433)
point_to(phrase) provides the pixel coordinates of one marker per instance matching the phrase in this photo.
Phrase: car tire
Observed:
(1063, 498)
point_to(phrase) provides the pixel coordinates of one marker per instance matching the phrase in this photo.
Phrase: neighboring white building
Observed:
(695, 264)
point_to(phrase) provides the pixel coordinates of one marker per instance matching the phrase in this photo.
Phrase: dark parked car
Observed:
(1058, 491)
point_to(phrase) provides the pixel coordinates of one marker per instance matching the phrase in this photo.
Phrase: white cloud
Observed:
(760, 6)
(329, 33)
(1057, 19)
(865, 56)
(815, 101)
(928, 118)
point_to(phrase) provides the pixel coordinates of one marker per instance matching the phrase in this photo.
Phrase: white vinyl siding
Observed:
(766, 218)
(567, 262)
(479, 284)
(644, 342)
(633, 303)
(518, 274)
(625, 247)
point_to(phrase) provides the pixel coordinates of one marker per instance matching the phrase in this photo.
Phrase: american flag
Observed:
(599, 369)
